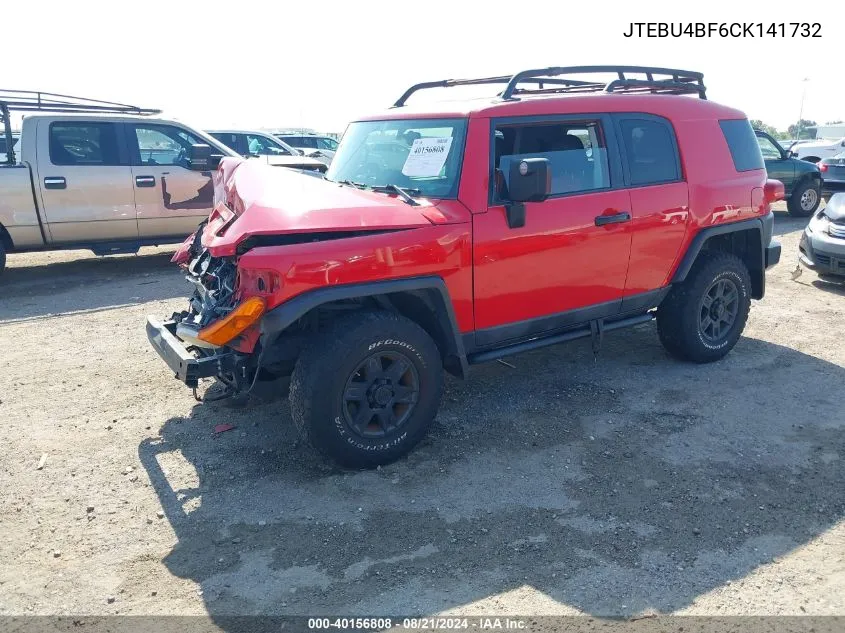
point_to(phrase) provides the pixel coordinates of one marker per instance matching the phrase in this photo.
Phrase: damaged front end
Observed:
(203, 340)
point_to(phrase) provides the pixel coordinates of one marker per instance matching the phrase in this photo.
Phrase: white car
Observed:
(814, 151)
(314, 145)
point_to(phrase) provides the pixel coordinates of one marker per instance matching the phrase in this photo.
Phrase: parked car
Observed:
(314, 145)
(109, 183)
(833, 174)
(3, 145)
(801, 179)
(263, 145)
(822, 245)
(814, 151)
(366, 285)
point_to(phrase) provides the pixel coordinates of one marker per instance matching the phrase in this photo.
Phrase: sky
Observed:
(321, 63)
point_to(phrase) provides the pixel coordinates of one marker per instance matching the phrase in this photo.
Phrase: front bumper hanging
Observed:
(187, 367)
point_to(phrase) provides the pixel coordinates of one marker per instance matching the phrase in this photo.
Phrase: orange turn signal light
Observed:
(224, 330)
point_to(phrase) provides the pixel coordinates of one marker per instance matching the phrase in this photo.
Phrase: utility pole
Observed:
(801, 111)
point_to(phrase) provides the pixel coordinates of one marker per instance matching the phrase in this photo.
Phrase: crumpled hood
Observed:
(835, 208)
(261, 200)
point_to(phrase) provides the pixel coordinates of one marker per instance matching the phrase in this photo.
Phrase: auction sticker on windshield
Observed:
(427, 157)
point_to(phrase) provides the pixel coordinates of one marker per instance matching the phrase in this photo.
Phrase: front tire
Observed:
(365, 392)
(703, 317)
(804, 200)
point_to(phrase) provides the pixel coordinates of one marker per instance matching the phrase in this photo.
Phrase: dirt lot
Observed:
(627, 484)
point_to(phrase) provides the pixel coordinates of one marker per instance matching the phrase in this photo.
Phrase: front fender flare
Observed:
(282, 316)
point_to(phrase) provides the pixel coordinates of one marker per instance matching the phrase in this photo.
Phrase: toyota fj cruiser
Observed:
(442, 236)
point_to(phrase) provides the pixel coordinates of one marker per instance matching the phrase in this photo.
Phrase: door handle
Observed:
(145, 181)
(616, 218)
(55, 182)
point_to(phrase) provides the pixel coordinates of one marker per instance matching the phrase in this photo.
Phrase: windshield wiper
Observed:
(351, 183)
(406, 194)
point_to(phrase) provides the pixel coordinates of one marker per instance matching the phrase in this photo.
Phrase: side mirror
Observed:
(790, 154)
(529, 180)
(200, 158)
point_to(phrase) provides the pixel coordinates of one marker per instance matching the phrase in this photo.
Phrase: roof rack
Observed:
(32, 101)
(651, 80)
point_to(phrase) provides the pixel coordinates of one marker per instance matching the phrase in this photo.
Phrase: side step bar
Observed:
(592, 329)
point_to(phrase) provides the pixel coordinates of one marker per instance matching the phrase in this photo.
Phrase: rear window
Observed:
(742, 142)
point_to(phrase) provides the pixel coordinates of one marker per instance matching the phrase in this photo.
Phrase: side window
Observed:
(264, 146)
(327, 143)
(163, 145)
(306, 141)
(577, 154)
(742, 143)
(83, 143)
(651, 151)
(769, 150)
(228, 139)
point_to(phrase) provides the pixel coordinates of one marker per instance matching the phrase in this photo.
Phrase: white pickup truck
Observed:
(107, 183)
(814, 151)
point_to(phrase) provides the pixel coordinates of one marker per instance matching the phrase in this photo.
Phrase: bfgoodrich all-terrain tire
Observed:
(365, 392)
(702, 318)
(804, 200)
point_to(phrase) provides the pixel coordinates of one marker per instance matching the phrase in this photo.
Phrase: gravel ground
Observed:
(622, 485)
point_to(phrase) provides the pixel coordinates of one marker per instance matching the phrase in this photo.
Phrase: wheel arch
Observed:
(745, 239)
(6, 239)
(424, 300)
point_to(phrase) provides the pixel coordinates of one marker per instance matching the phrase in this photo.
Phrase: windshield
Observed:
(417, 154)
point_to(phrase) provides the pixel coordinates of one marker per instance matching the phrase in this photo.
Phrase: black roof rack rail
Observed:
(34, 101)
(656, 81)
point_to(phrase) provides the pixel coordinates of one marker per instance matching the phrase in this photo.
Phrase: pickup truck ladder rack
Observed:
(32, 101)
(648, 79)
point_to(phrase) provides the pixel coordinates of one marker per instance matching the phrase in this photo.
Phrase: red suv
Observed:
(442, 236)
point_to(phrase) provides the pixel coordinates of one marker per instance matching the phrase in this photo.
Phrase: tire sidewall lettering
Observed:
(743, 291)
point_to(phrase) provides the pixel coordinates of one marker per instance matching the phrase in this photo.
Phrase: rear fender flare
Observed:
(757, 261)
(281, 317)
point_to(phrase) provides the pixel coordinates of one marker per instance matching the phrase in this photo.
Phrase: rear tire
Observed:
(2, 258)
(804, 200)
(365, 392)
(703, 317)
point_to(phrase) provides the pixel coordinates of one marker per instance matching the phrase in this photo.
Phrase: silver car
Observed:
(822, 245)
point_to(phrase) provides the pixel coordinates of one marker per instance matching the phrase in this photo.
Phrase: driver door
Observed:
(170, 199)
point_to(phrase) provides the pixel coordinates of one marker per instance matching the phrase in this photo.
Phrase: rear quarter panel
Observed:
(718, 194)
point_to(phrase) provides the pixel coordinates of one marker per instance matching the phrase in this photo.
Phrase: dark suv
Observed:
(567, 206)
(801, 179)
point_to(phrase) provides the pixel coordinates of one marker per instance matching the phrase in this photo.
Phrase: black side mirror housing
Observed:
(202, 158)
(790, 154)
(529, 180)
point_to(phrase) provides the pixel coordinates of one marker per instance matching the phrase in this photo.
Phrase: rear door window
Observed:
(84, 143)
(651, 152)
(742, 143)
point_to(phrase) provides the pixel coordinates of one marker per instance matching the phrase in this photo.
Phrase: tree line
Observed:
(799, 130)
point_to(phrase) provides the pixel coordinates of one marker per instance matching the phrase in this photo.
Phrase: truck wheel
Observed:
(804, 200)
(365, 392)
(2, 257)
(703, 317)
